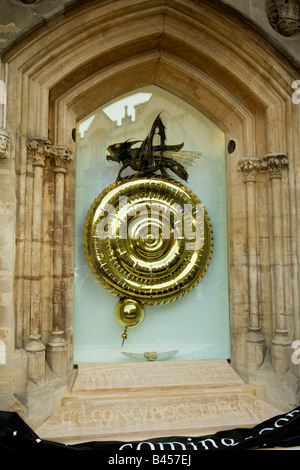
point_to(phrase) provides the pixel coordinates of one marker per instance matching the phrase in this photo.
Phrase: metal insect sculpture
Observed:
(149, 158)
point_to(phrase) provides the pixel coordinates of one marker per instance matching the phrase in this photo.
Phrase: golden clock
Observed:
(147, 238)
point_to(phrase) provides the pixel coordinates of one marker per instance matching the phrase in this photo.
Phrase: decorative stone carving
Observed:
(275, 163)
(37, 150)
(284, 16)
(41, 149)
(4, 143)
(249, 168)
(61, 157)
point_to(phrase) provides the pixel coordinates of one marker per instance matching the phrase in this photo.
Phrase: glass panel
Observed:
(197, 325)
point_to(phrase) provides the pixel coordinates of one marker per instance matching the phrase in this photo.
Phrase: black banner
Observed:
(280, 431)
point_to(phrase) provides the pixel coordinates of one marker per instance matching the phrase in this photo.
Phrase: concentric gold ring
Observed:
(145, 239)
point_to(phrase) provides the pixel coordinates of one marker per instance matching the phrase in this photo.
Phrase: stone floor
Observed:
(136, 401)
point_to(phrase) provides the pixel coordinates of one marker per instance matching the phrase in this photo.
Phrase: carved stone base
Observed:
(255, 351)
(154, 399)
(36, 359)
(36, 367)
(57, 354)
(281, 358)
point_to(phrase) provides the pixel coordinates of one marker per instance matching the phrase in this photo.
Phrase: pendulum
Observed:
(128, 313)
(124, 335)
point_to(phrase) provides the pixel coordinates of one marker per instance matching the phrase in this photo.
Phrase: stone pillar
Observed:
(255, 343)
(7, 218)
(281, 343)
(4, 136)
(3, 98)
(56, 345)
(35, 347)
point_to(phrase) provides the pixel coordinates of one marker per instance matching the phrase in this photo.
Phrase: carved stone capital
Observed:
(61, 157)
(275, 164)
(249, 167)
(37, 151)
(4, 143)
(43, 150)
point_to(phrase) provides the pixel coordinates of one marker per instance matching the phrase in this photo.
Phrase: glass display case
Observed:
(195, 326)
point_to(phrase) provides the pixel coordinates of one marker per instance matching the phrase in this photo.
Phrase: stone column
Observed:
(255, 343)
(280, 349)
(56, 346)
(7, 218)
(3, 110)
(4, 136)
(35, 347)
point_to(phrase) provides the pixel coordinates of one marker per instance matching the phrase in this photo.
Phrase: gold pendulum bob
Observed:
(128, 313)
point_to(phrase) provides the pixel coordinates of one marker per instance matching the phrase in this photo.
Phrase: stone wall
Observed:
(17, 16)
(78, 58)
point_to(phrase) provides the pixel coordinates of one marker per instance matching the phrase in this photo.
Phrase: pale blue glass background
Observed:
(196, 325)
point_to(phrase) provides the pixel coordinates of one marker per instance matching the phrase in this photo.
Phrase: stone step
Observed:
(138, 401)
(203, 375)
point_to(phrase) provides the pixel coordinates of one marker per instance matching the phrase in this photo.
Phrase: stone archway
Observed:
(79, 58)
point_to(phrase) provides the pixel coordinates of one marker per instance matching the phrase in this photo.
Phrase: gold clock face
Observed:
(148, 239)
